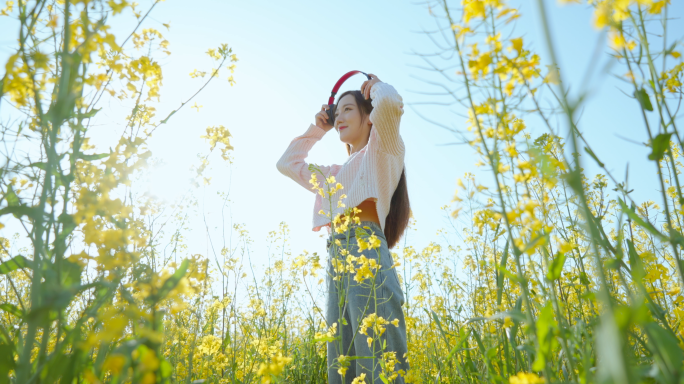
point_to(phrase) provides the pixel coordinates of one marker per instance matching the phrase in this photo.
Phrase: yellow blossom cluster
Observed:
(389, 362)
(377, 326)
(219, 135)
(269, 371)
(526, 378)
(328, 336)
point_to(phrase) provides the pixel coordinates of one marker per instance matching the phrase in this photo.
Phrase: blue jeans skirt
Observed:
(350, 301)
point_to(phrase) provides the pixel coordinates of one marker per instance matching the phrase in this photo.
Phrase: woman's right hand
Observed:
(322, 118)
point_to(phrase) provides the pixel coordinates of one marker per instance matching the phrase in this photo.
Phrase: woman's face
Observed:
(352, 128)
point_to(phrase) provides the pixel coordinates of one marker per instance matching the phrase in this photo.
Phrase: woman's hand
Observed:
(368, 84)
(322, 118)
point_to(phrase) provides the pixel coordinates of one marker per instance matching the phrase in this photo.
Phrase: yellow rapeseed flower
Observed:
(526, 378)
(268, 371)
(360, 379)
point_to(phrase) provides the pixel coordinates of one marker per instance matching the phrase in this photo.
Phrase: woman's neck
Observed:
(357, 147)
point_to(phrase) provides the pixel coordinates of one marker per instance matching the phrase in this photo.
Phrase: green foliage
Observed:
(86, 299)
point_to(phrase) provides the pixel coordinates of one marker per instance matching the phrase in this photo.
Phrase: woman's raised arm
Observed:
(292, 164)
(388, 107)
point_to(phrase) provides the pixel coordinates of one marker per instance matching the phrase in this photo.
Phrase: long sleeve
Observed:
(388, 107)
(292, 164)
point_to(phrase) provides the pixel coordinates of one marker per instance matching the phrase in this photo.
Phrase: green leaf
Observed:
(165, 369)
(666, 343)
(89, 114)
(478, 339)
(613, 264)
(361, 233)
(544, 162)
(12, 309)
(491, 353)
(68, 226)
(226, 340)
(126, 295)
(70, 273)
(514, 314)
(326, 339)
(669, 50)
(54, 298)
(500, 275)
(545, 338)
(643, 98)
(19, 211)
(168, 117)
(15, 263)
(460, 343)
(39, 165)
(643, 223)
(93, 157)
(574, 180)
(589, 296)
(11, 197)
(556, 267)
(584, 279)
(609, 350)
(676, 238)
(7, 363)
(464, 335)
(508, 274)
(475, 319)
(439, 325)
(660, 144)
(593, 156)
(496, 159)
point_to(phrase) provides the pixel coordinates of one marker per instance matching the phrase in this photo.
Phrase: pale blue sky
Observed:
(291, 53)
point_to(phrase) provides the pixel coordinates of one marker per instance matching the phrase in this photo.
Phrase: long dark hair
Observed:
(400, 209)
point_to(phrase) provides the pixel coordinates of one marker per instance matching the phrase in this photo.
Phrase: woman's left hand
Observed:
(368, 84)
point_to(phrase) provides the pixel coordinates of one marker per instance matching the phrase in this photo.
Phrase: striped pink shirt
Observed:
(371, 173)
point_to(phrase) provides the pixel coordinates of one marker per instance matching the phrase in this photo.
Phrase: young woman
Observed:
(374, 181)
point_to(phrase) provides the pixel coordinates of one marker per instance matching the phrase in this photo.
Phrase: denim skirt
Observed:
(350, 301)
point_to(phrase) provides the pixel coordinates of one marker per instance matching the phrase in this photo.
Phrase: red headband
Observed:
(331, 101)
(342, 79)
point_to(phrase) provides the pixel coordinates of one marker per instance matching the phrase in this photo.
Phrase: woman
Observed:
(374, 181)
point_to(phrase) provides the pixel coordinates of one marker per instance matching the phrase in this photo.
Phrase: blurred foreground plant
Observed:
(563, 279)
(86, 298)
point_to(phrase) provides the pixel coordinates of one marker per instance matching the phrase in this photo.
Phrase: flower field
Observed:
(557, 276)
